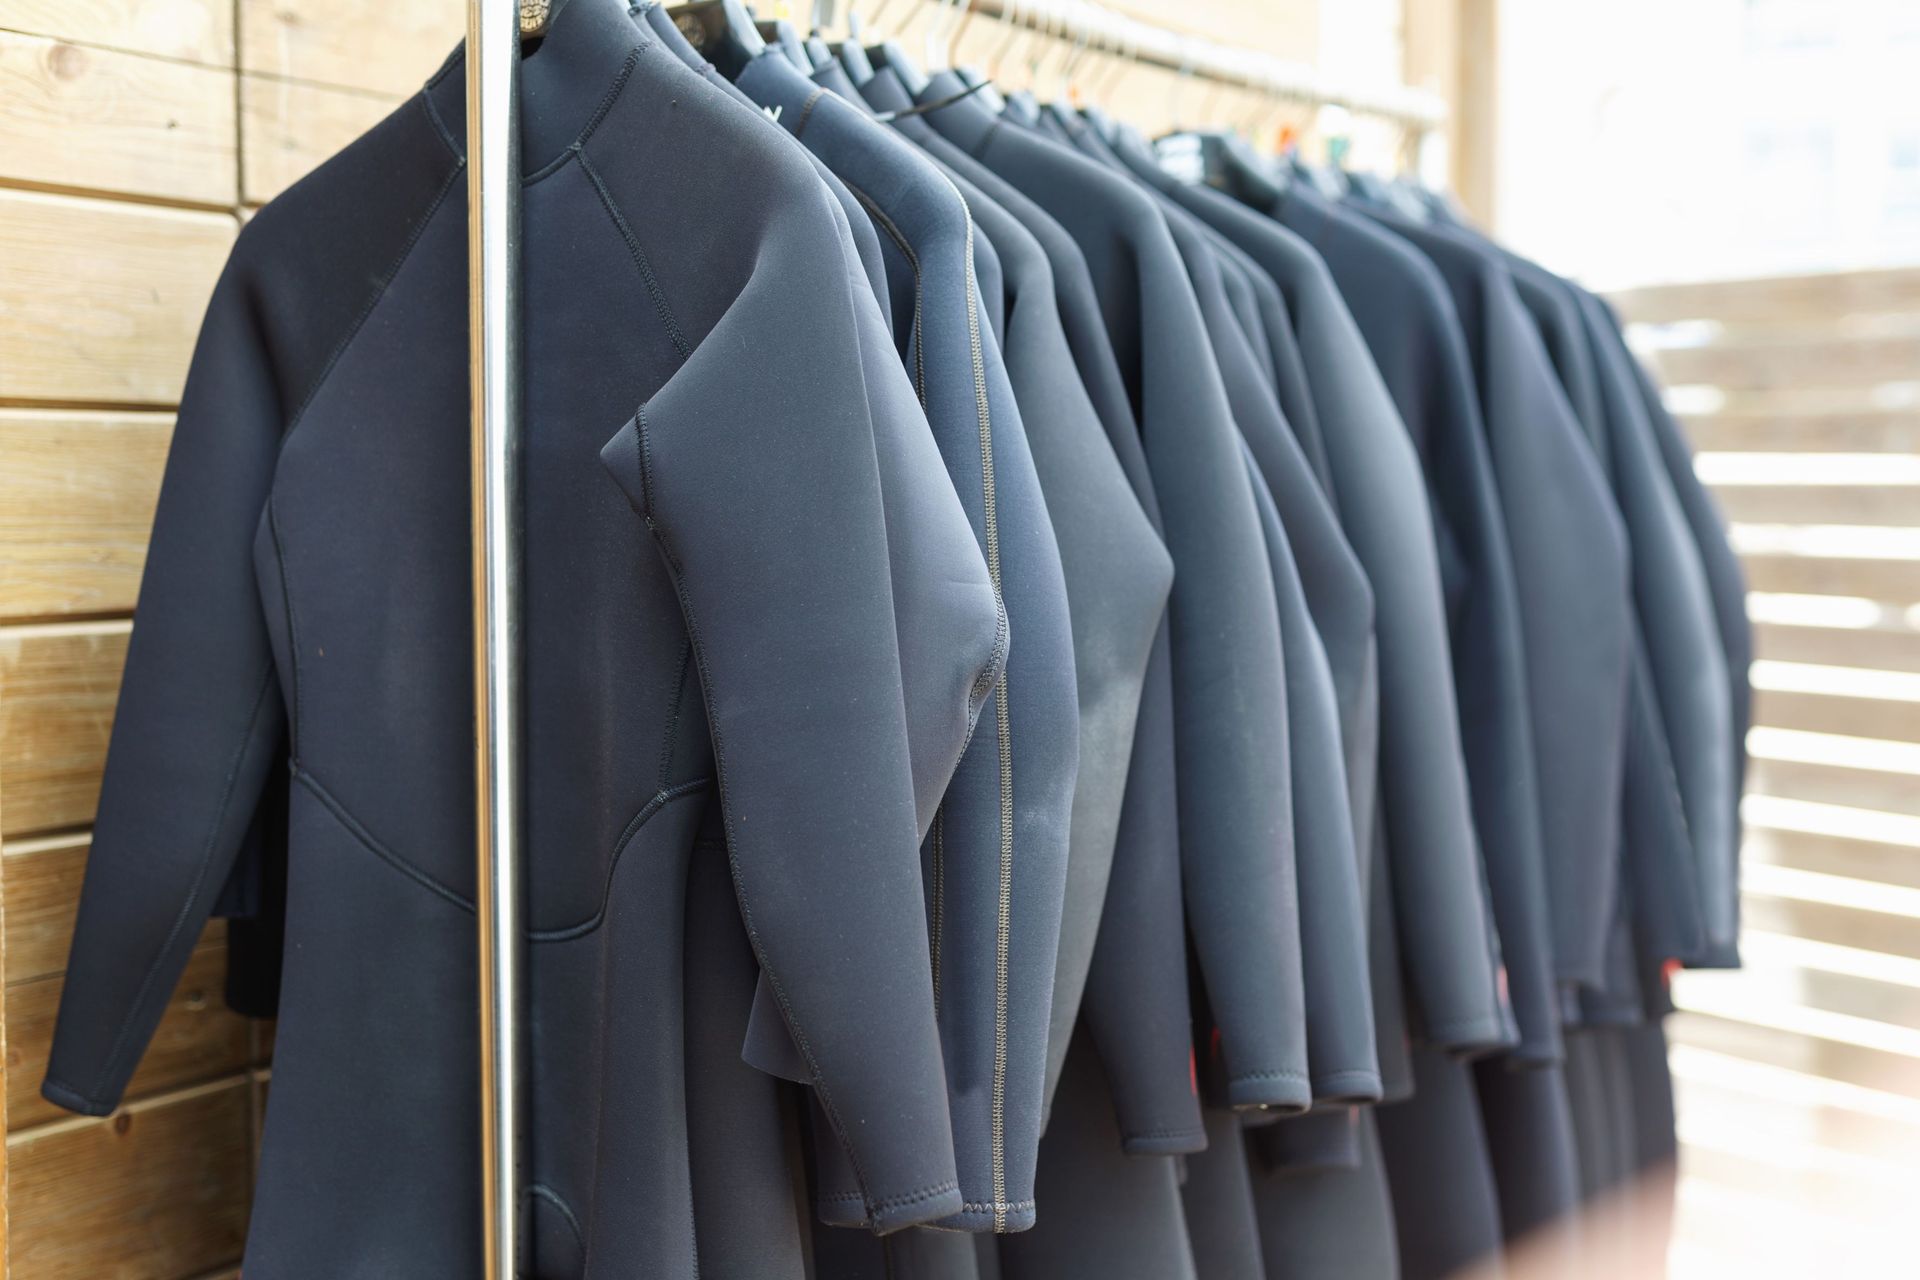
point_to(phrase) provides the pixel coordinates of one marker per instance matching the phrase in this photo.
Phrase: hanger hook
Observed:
(1126, 53)
(1036, 51)
(936, 24)
(1009, 14)
(1071, 33)
(1184, 75)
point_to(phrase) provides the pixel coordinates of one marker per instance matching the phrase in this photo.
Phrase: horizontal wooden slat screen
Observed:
(135, 137)
(1799, 1076)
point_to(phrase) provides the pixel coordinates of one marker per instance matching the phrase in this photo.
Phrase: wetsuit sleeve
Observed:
(199, 720)
(754, 470)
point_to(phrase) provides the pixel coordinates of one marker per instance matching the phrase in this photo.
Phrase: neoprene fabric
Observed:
(1078, 725)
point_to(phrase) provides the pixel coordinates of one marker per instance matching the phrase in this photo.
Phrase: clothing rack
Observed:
(494, 32)
(1096, 28)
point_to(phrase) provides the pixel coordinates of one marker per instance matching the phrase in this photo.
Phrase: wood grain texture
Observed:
(1894, 864)
(288, 128)
(1881, 791)
(157, 1190)
(40, 880)
(58, 687)
(1890, 580)
(1794, 360)
(77, 492)
(100, 301)
(335, 43)
(1777, 299)
(1890, 648)
(1882, 932)
(198, 1039)
(194, 30)
(1811, 1055)
(1868, 431)
(76, 116)
(1882, 506)
(1829, 713)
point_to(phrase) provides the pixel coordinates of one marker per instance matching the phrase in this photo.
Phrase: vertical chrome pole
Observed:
(493, 303)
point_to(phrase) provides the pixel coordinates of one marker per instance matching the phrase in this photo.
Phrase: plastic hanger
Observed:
(780, 34)
(722, 31)
(889, 54)
(853, 58)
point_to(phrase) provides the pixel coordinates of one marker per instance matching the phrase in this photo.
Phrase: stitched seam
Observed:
(439, 125)
(673, 716)
(71, 1098)
(714, 731)
(979, 149)
(1003, 923)
(372, 845)
(386, 282)
(887, 225)
(1134, 1134)
(457, 58)
(661, 799)
(293, 632)
(997, 1207)
(1281, 1073)
(552, 1197)
(554, 165)
(996, 656)
(900, 1201)
(121, 1044)
(938, 922)
(806, 112)
(640, 259)
(413, 872)
(613, 92)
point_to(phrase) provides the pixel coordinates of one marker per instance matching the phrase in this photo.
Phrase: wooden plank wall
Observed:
(1799, 1077)
(134, 135)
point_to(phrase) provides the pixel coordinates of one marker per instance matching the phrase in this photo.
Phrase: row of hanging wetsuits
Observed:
(1077, 723)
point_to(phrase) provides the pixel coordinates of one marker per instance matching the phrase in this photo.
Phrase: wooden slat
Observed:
(158, 1189)
(288, 128)
(1773, 298)
(58, 686)
(1797, 361)
(1873, 431)
(73, 116)
(76, 502)
(1811, 1055)
(1892, 935)
(101, 301)
(328, 43)
(1858, 997)
(1883, 506)
(1786, 1179)
(1888, 792)
(198, 1038)
(1835, 855)
(40, 880)
(1829, 713)
(196, 30)
(1895, 581)
(1876, 648)
(1797, 1123)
